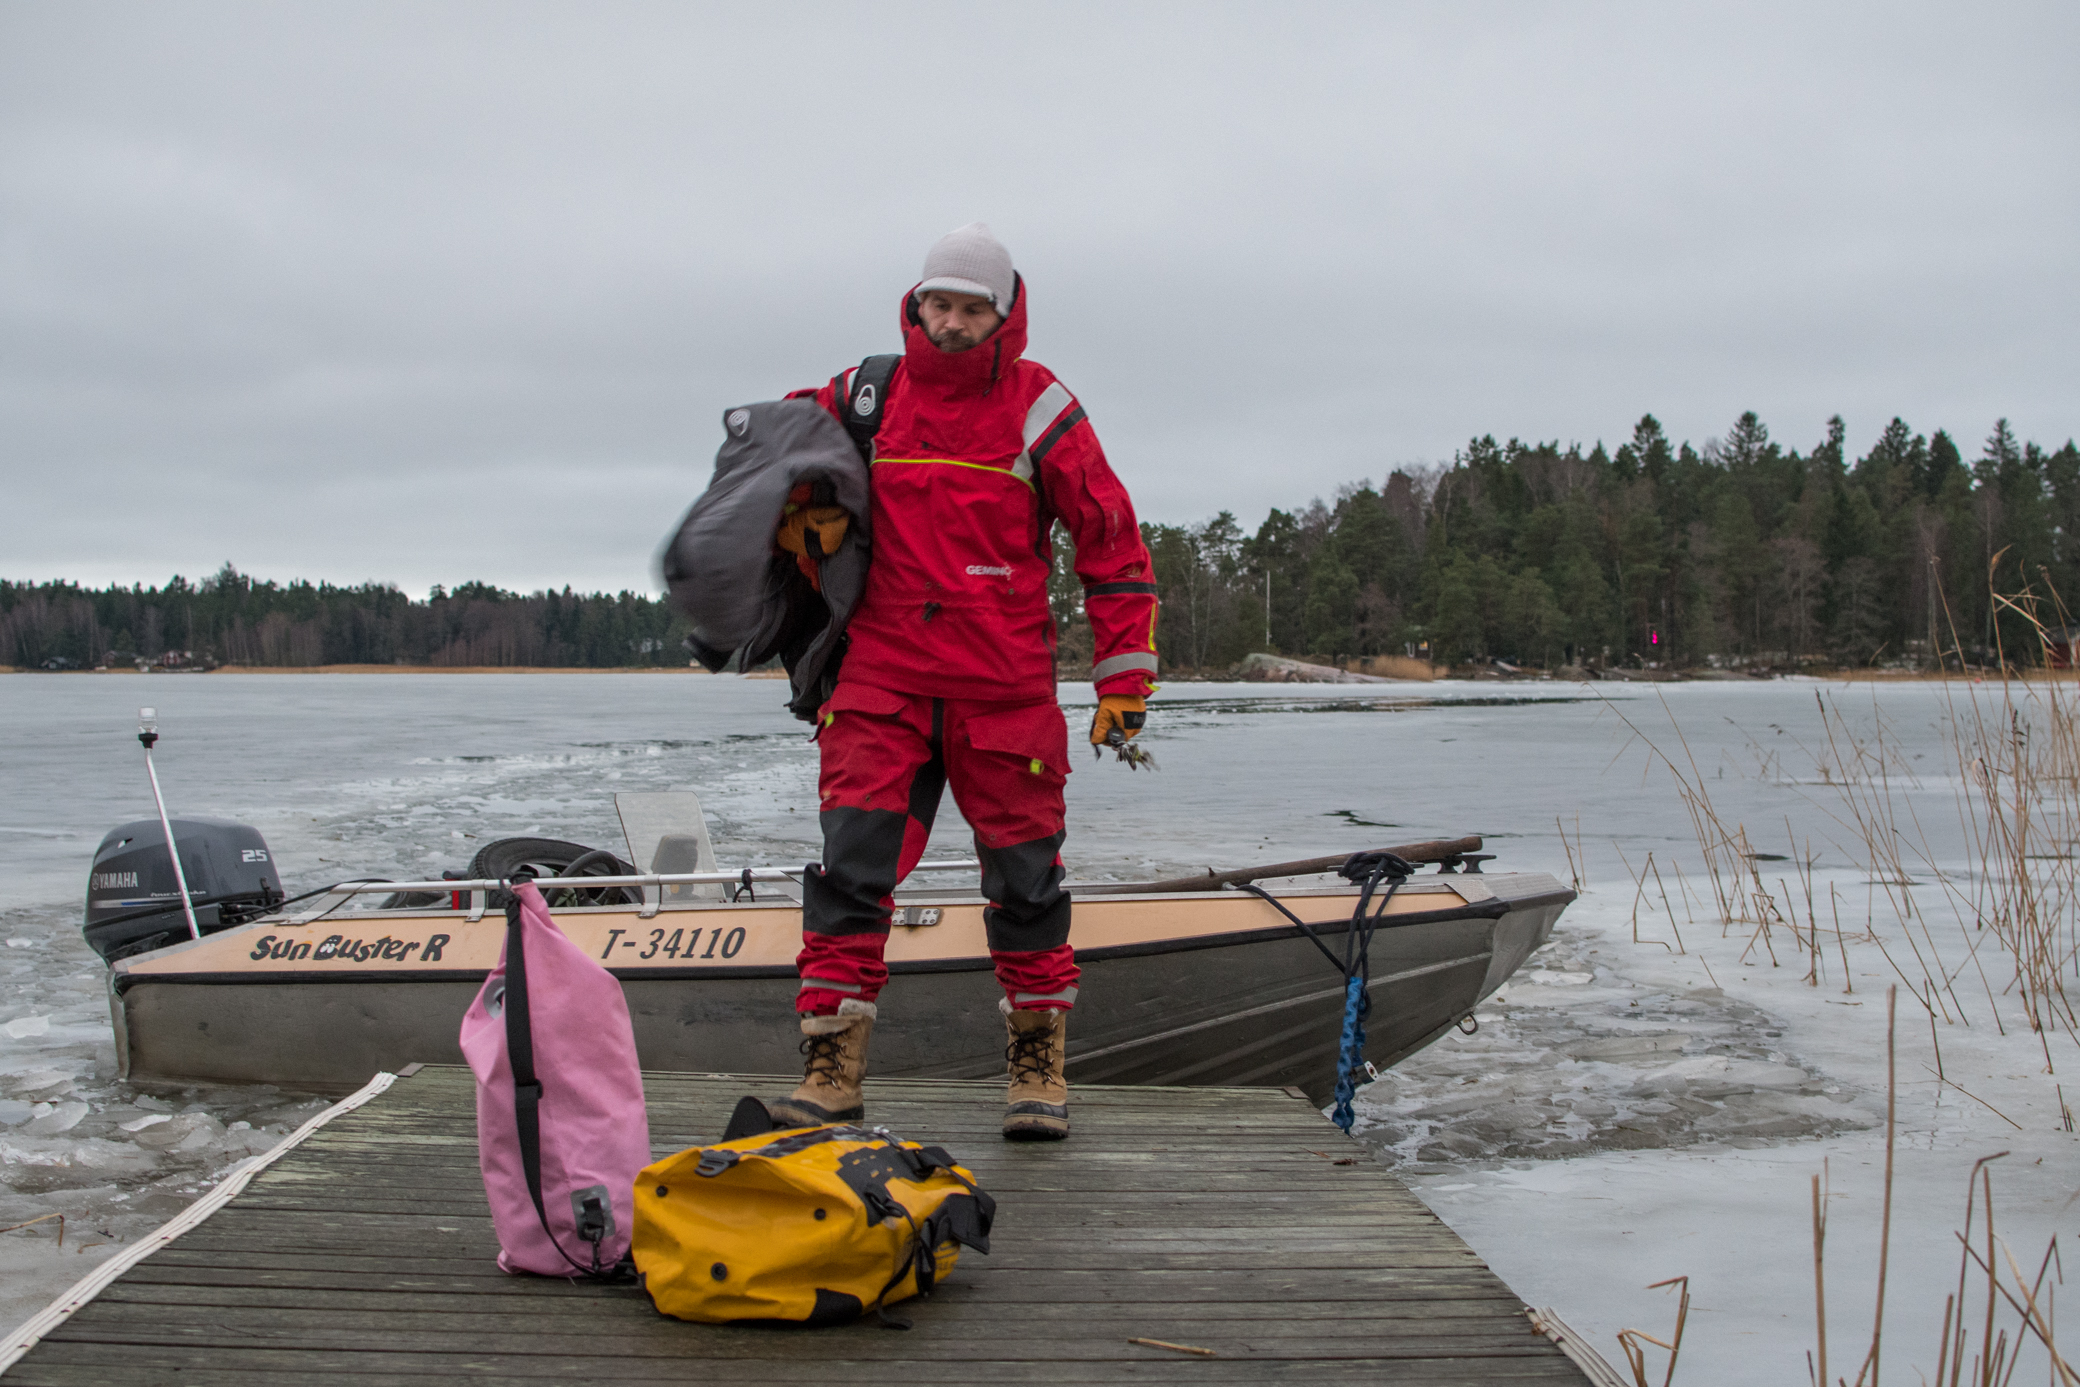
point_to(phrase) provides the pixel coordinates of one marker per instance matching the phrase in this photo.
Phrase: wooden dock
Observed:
(1235, 1220)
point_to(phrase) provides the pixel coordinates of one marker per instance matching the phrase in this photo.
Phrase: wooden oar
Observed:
(1442, 850)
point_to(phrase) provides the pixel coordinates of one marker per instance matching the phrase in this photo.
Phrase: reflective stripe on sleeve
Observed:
(1120, 590)
(1120, 664)
(1044, 412)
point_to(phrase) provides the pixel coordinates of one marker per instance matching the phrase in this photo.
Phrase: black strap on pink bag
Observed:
(592, 1214)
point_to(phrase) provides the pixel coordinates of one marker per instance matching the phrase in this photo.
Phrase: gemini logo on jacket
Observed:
(978, 454)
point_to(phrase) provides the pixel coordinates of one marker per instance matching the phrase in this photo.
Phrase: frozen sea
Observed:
(1649, 1098)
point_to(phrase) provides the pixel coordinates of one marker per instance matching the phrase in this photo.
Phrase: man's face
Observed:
(956, 321)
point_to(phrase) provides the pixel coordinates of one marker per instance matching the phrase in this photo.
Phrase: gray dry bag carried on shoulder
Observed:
(748, 600)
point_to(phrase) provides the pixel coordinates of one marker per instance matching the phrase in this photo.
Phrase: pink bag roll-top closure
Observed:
(594, 1131)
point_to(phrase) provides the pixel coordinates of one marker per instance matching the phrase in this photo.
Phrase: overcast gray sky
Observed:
(430, 292)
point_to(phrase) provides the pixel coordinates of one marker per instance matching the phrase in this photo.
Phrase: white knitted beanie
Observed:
(969, 260)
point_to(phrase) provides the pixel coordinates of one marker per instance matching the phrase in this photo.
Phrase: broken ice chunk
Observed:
(63, 1118)
(40, 1083)
(188, 1131)
(1707, 1076)
(1627, 1046)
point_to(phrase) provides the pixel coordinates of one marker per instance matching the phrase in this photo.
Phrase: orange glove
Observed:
(1126, 712)
(811, 532)
(827, 524)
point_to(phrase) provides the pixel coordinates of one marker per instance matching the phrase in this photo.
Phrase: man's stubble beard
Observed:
(953, 339)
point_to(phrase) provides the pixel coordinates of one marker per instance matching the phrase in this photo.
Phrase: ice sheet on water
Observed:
(1571, 1059)
(116, 1161)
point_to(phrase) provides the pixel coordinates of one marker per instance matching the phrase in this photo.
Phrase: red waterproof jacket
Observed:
(978, 454)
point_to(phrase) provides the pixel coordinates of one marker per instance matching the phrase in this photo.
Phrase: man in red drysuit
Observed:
(948, 676)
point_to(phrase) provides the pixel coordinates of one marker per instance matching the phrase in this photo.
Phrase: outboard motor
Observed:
(133, 904)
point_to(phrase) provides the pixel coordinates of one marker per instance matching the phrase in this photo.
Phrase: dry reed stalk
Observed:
(1952, 1083)
(1998, 1358)
(1999, 1354)
(1871, 1361)
(1662, 887)
(1798, 939)
(43, 1218)
(1912, 991)
(1704, 812)
(1928, 975)
(1805, 877)
(1949, 978)
(2019, 790)
(1632, 1341)
(2034, 1319)
(1862, 777)
(1965, 908)
(1819, 1273)
(1864, 782)
(1950, 1353)
(1690, 902)
(1943, 1344)
(1639, 883)
(1936, 1044)
(1765, 905)
(1192, 1349)
(1848, 978)
(1715, 844)
(1574, 872)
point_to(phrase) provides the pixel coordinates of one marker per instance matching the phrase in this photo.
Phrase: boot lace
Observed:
(1028, 1053)
(824, 1058)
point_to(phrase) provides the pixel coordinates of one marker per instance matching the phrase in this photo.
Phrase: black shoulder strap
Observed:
(527, 1086)
(867, 399)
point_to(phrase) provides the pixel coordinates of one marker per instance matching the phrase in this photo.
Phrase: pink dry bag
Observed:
(561, 1130)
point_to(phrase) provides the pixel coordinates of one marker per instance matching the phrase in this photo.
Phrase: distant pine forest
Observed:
(1742, 554)
(230, 618)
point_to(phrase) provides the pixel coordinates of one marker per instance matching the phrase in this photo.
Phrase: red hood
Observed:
(971, 372)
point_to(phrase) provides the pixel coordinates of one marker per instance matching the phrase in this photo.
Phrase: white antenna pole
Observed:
(147, 733)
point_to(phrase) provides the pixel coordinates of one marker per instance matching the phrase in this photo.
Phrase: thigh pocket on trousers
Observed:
(860, 698)
(1031, 740)
(871, 748)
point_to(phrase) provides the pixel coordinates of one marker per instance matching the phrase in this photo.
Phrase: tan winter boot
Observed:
(836, 1047)
(1036, 1106)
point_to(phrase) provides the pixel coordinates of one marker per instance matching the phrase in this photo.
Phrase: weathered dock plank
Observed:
(1217, 1218)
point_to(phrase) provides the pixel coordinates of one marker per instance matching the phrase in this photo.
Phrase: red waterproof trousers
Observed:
(887, 757)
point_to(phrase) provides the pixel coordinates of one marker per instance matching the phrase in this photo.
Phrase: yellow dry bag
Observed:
(812, 1226)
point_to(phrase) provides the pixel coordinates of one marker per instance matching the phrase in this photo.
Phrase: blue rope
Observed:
(1370, 870)
(1351, 1054)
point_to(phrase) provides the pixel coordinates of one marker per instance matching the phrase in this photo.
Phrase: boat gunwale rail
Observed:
(653, 885)
(350, 888)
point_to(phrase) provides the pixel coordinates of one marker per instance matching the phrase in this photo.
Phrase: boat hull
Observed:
(1191, 988)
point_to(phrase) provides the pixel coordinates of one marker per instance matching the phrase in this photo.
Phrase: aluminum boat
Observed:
(1179, 987)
